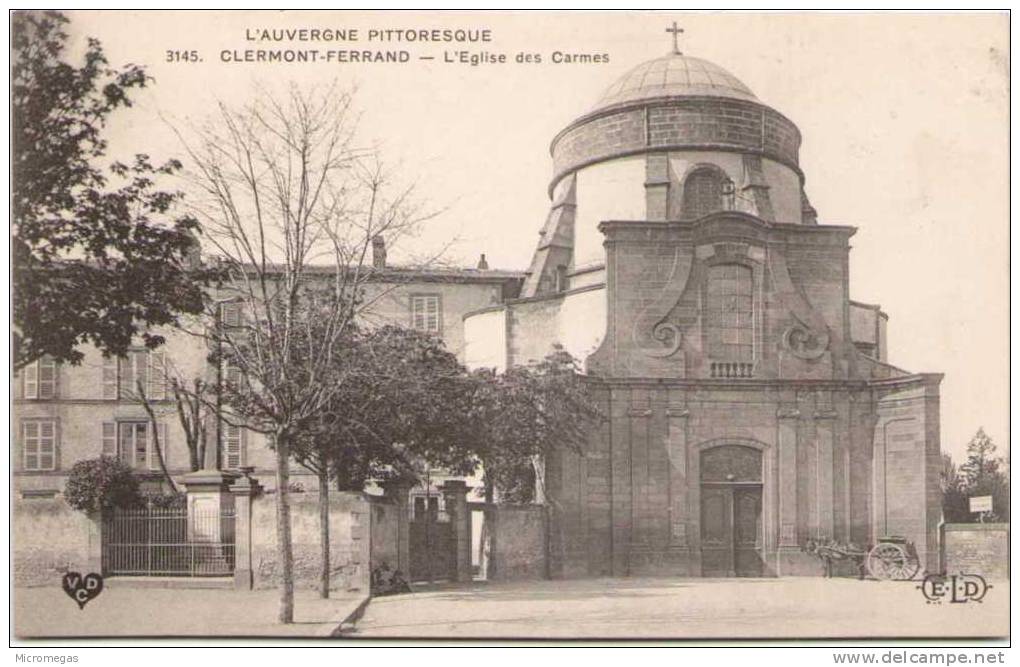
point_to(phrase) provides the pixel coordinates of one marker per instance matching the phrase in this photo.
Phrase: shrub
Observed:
(166, 501)
(100, 484)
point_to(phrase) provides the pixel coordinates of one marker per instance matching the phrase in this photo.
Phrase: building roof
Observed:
(674, 75)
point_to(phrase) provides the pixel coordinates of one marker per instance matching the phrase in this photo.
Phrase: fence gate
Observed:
(168, 543)
(432, 548)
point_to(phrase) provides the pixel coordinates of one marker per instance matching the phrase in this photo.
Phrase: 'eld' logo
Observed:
(958, 588)
(82, 589)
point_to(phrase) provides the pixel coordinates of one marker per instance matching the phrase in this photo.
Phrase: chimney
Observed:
(482, 264)
(378, 252)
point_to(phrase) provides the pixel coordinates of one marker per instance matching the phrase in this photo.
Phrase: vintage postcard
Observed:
(635, 325)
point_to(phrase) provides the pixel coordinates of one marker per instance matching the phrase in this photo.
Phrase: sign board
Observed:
(981, 504)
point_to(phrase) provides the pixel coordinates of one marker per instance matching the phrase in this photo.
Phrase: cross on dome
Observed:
(676, 31)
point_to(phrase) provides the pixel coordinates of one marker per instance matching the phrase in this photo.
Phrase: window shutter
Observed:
(230, 314)
(164, 446)
(157, 375)
(141, 368)
(30, 444)
(31, 386)
(143, 448)
(127, 375)
(110, 378)
(47, 445)
(433, 313)
(110, 439)
(46, 379)
(233, 445)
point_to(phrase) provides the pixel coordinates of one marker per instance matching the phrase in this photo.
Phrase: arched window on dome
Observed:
(706, 190)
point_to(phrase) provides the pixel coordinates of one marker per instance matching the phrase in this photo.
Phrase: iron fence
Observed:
(168, 542)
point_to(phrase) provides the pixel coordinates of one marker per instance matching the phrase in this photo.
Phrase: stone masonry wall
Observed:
(630, 505)
(977, 548)
(349, 540)
(692, 122)
(50, 538)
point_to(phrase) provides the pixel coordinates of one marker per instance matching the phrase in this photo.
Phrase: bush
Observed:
(166, 501)
(100, 484)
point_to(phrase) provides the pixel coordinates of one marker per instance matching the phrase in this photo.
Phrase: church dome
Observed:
(674, 75)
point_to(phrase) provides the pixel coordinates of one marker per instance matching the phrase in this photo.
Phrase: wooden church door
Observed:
(731, 506)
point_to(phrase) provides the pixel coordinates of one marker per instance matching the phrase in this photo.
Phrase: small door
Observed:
(717, 532)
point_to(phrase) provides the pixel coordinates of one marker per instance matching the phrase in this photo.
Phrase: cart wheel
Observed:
(891, 561)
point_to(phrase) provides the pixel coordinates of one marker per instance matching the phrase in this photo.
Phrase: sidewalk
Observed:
(155, 612)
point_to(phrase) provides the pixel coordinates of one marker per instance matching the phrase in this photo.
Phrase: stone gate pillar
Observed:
(208, 497)
(455, 496)
(398, 491)
(244, 491)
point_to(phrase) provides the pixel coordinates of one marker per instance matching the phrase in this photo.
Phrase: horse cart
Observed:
(891, 558)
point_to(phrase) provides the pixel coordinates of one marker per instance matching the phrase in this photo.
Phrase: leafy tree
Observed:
(955, 507)
(94, 485)
(281, 189)
(392, 411)
(985, 474)
(92, 261)
(982, 474)
(519, 417)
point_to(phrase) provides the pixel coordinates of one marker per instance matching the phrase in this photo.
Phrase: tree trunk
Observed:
(157, 445)
(285, 551)
(324, 533)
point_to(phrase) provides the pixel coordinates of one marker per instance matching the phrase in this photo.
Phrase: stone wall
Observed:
(704, 123)
(349, 539)
(48, 539)
(518, 542)
(977, 548)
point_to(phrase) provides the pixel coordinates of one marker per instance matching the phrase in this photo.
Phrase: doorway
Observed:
(731, 512)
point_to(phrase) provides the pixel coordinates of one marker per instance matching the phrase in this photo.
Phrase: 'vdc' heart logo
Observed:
(82, 589)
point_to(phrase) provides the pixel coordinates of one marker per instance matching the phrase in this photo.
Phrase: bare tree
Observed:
(289, 205)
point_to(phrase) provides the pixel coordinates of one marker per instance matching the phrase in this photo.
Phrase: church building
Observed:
(749, 403)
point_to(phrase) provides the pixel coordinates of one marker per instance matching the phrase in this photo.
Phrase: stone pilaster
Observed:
(676, 448)
(825, 419)
(244, 491)
(787, 439)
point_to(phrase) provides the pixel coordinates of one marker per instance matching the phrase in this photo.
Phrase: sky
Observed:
(904, 119)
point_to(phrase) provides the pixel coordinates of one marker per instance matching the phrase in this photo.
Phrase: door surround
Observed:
(769, 498)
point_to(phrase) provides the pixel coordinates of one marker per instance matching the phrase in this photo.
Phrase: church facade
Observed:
(749, 403)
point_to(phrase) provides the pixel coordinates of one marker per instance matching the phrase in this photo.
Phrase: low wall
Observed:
(518, 542)
(50, 538)
(349, 541)
(976, 548)
(385, 533)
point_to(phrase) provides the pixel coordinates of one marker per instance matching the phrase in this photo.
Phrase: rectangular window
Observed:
(40, 380)
(729, 313)
(230, 314)
(425, 312)
(233, 446)
(139, 367)
(232, 375)
(39, 444)
(132, 443)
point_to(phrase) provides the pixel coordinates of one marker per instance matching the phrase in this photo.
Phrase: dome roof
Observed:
(673, 75)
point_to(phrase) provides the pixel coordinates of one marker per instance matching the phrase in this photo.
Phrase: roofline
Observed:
(405, 273)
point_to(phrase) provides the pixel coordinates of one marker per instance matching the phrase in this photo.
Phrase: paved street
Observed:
(152, 612)
(662, 608)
